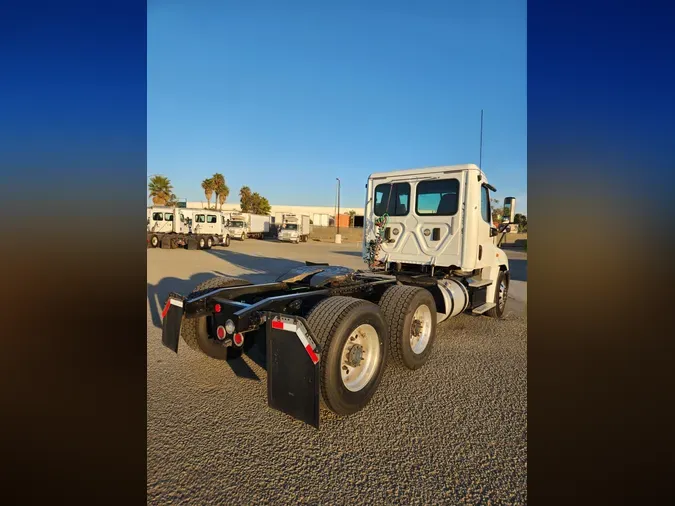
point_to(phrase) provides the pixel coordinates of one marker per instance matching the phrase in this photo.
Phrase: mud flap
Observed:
(172, 317)
(292, 369)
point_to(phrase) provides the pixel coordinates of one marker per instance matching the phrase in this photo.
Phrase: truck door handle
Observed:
(387, 233)
(436, 234)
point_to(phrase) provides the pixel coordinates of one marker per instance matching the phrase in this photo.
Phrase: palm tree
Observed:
(351, 214)
(221, 189)
(209, 186)
(161, 190)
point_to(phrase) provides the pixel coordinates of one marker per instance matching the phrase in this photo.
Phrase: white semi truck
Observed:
(175, 227)
(328, 332)
(294, 228)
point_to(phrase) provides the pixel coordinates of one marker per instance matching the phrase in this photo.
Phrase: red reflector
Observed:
(238, 339)
(277, 324)
(220, 332)
(166, 308)
(217, 308)
(311, 354)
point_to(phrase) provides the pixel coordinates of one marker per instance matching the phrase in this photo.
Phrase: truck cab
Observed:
(433, 220)
(161, 219)
(238, 226)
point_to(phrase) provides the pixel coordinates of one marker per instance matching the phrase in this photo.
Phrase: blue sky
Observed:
(286, 96)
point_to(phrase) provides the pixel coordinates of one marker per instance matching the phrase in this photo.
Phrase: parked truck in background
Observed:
(238, 225)
(174, 227)
(258, 225)
(327, 332)
(294, 228)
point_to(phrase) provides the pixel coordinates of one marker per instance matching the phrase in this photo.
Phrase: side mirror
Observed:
(493, 232)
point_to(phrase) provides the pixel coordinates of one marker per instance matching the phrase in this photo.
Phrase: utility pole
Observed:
(337, 216)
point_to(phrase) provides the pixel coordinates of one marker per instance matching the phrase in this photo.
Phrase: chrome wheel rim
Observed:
(420, 332)
(360, 358)
(503, 292)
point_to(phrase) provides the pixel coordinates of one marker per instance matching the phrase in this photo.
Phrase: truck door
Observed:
(211, 224)
(199, 224)
(486, 249)
(169, 222)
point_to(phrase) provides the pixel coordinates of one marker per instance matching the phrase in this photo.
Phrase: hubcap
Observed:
(420, 331)
(360, 357)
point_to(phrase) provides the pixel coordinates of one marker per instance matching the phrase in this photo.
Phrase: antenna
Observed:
(480, 163)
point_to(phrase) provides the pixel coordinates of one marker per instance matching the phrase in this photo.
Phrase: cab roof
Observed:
(427, 170)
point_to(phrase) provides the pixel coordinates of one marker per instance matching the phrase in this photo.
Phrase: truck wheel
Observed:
(196, 331)
(243, 236)
(352, 337)
(410, 313)
(154, 241)
(209, 243)
(501, 295)
(202, 243)
(227, 241)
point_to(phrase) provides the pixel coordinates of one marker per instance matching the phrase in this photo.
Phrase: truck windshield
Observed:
(290, 226)
(237, 224)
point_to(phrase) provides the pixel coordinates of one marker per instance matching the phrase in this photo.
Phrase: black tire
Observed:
(154, 241)
(332, 321)
(227, 241)
(398, 305)
(195, 331)
(209, 243)
(498, 310)
(201, 242)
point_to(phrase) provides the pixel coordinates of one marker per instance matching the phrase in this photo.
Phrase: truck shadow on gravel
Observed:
(157, 295)
(261, 269)
(349, 253)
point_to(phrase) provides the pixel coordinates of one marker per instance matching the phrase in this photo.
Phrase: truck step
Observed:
(482, 309)
(478, 282)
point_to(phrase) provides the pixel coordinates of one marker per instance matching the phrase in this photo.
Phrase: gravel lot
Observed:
(454, 432)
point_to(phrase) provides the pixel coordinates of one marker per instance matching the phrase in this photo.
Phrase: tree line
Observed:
(161, 192)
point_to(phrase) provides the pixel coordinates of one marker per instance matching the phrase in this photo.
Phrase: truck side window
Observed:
(438, 197)
(199, 218)
(168, 216)
(157, 217)
(392, 199)
(485, 204)
(211, 218)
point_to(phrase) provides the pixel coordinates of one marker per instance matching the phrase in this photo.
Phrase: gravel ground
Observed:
(454, 432)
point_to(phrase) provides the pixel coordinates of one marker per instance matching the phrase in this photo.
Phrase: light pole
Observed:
(337, 216)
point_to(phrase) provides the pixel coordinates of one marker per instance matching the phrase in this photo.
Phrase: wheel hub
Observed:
(416, 328)
(355, 355)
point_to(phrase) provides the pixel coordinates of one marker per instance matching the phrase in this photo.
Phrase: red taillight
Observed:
(220, 332)
(217, 308)
(277, 324)
(238, 339)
